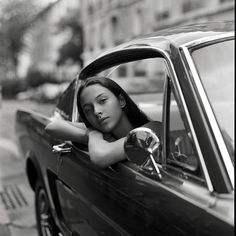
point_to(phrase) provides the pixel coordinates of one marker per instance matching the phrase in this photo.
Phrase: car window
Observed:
(181, 150)
(218, 81)
(65, 104)
(143, 80)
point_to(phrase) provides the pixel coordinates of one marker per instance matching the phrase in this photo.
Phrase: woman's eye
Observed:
(103, 100)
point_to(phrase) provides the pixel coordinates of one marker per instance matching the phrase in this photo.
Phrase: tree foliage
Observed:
(39, 78)
(73, 48)
(15, 18)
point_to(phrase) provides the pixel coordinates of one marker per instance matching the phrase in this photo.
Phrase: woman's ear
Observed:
(122, 101)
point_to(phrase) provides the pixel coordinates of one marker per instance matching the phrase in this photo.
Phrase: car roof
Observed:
(166, 39)
(186, 33)
(178, 35)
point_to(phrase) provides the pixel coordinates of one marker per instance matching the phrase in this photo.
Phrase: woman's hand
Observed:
(103, 153)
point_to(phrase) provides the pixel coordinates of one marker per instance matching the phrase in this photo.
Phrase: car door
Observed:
(48, 158)
(93, 200)
(125, 199)
(77, 183)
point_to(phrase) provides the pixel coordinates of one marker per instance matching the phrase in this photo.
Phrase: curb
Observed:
(4, 218)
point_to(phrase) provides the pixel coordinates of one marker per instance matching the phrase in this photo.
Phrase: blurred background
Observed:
(44, 44)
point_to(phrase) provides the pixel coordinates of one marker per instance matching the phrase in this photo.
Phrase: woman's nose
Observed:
(97, 111)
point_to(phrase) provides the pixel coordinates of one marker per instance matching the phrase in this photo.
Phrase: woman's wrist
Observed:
(94, 133)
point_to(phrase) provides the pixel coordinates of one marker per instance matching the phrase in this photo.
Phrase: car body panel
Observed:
(107, 188)
(127, 199)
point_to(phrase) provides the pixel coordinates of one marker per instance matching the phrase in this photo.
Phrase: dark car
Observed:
(179, 175)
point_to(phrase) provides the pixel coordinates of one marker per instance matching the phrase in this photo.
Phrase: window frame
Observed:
(179, 171)
(139, 52)
(221, 159)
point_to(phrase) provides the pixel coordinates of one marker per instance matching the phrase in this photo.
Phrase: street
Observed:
(17, 217)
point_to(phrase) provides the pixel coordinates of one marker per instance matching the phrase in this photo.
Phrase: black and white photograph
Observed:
(117, 117)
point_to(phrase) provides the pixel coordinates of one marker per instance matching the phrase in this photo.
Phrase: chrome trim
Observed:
(199, 152)
(105, 54)
(203, 40)
(211, 117)
(75, 110)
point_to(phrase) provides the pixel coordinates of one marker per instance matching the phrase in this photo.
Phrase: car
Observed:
(178, 178)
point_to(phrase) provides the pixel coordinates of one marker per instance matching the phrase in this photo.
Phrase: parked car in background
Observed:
(179, 175)
(45, 93)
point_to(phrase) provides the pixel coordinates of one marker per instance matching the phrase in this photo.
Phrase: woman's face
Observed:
(101, 107)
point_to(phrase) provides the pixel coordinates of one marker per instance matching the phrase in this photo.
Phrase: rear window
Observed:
(65, 103)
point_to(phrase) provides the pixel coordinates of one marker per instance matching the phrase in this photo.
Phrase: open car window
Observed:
(143, 80)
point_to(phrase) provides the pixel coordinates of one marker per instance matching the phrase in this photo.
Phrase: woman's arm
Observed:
(103, 153)
(67, 130)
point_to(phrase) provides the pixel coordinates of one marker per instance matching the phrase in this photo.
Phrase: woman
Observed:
(108, 113)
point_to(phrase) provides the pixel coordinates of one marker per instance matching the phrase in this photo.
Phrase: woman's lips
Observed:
(102, 120)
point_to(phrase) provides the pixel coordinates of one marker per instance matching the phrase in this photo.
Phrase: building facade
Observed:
(107, 23)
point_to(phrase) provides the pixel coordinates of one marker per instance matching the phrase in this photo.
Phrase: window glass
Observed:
(65, 104)
(215, 65)
(181, 150)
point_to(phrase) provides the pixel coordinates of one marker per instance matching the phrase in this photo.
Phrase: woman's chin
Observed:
(106, 129)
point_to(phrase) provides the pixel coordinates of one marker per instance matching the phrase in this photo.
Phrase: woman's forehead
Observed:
(92, 92)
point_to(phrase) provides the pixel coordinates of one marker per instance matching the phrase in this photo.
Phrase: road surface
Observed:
(17, 216)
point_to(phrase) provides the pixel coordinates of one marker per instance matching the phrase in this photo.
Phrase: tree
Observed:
(15, 18)
(73, 48)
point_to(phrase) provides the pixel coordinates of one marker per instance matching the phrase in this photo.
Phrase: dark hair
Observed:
(133, 113)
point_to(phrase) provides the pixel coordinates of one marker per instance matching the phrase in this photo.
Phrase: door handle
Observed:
(59, 149)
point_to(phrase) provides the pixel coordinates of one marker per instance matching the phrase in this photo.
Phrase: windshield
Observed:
(215, 65)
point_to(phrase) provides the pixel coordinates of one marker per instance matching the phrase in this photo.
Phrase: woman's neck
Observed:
(122, 128)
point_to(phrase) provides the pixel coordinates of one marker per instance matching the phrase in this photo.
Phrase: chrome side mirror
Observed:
(140, 146)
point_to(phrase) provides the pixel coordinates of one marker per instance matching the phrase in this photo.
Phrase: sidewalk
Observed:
(17, 213)
(4, 220)
(17, 217)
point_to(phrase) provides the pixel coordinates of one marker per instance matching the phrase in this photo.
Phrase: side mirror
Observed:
(140, 146)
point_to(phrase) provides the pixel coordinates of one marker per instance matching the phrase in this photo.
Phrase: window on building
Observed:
(115, 30)
(190, 5)
(91, 40)
(162, 15)
(139, 69)
(222, 1)
(103, 36)
(122, 71)
(90, 9)
(138, 22)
